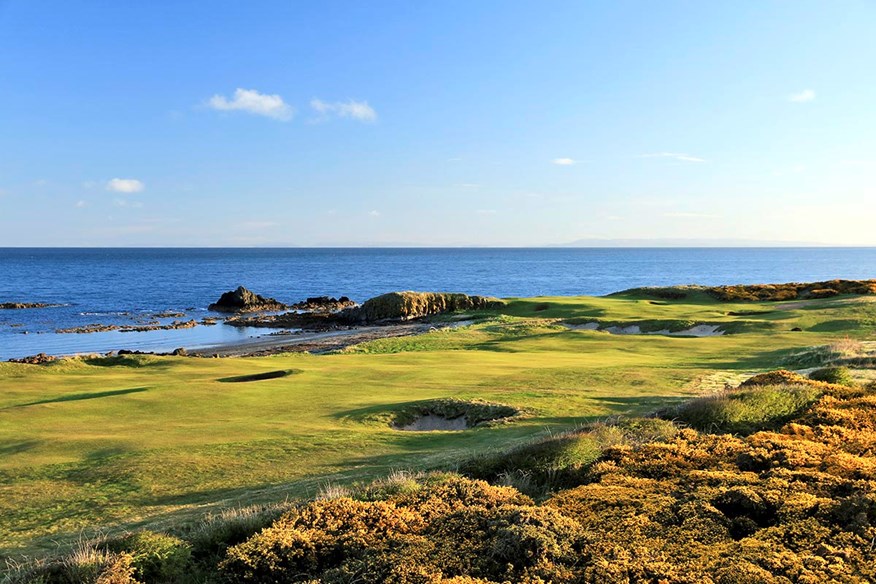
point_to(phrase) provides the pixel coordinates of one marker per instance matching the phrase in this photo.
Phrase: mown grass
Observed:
(83, 450)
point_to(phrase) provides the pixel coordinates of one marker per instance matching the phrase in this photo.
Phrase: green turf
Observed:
(141, 440)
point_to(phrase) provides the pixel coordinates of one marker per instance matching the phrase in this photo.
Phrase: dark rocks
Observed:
(38, 359)
(22, 305)
(394, 307)
(101, 328)
(243, 300)
(180, 352)
(324, 304)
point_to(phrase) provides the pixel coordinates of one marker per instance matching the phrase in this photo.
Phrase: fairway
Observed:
(113, 443)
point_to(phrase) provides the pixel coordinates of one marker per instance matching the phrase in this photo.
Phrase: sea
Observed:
(132, 285)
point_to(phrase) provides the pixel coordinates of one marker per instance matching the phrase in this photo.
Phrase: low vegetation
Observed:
(192, 479)
(643, 500)
(760, 292)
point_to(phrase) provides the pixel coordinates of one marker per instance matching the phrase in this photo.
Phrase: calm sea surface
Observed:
(126, 286)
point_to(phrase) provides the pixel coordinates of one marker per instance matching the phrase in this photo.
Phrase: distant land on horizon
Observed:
(581, 243)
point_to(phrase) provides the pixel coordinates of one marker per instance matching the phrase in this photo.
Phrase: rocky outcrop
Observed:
(21, 305)
(243, 300)
(385, 309)
(400, 306)
(324, 304)
(38, 359)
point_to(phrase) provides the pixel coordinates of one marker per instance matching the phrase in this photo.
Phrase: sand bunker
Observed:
(451, 415)
(700, 330)
(433, 423)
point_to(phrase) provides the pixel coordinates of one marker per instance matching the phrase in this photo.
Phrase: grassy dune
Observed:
(157, 441)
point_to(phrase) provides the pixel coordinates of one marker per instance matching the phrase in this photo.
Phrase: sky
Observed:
(460, 122)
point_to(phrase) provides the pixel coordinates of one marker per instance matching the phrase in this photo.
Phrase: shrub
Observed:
(507, 543)
(747, 409)
(317, 536)
(548, 462)
(156, 557)
(835, 375)
(218, 532)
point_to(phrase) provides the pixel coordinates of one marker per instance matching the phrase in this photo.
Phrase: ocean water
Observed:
(126, 286)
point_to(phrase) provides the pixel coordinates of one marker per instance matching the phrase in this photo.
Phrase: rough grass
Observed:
(644, 501)
(745, 410)
(189, 445)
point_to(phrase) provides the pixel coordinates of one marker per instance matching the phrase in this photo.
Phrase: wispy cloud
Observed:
(356, 110)
(802, 97)
(674, 156)
(125, 185)
(374, 213)
(80, 204)
(564, 161)
(256, 225)
(690, 215)
(469, 185)
(126, 203)
(486, 211)
(253, 102)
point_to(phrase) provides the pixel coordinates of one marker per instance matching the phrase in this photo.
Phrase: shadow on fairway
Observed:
(259, 376)
(79, 397)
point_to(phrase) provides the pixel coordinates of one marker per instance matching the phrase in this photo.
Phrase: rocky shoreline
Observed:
(153, 326)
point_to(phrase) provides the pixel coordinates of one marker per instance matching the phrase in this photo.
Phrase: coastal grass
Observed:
(138, 441)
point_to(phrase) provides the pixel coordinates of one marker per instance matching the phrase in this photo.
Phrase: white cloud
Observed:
(468, 186)
(563, 161)
(803, 96)
(357, 110)
(253, 102)
(374, 213)
(125, 185)
(675, 156)
(80, 204)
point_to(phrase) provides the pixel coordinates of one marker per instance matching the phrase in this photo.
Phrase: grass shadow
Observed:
(259, 376)
(80, 397)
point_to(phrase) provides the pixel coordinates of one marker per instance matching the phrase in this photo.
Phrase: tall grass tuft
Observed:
(746, 409)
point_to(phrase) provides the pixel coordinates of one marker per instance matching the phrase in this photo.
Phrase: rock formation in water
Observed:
(243, 300)
(22, 305)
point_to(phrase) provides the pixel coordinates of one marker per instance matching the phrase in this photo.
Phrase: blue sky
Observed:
(436, 123)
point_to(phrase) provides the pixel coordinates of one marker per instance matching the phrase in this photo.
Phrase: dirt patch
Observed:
(443, 415)
(259, 376)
